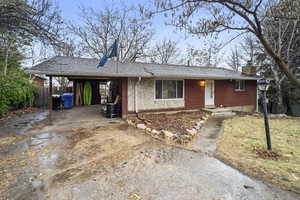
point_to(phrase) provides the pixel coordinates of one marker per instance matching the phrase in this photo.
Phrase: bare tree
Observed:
(101, 28)
(67, 47)
(239, 15)
(194, 57)
(164, 52)
(235, 59)
(207, 56)
(282, 29)
(249, 47)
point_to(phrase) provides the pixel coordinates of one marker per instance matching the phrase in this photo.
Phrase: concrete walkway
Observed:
(207, 137)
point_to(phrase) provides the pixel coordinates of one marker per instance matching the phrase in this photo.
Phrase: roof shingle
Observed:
(71, 66)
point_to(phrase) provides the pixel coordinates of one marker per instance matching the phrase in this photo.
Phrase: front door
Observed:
(209, 93)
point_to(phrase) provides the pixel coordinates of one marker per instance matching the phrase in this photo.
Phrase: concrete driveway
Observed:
(97, 158)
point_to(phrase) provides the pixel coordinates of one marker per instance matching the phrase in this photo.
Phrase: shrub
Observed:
(16, 91)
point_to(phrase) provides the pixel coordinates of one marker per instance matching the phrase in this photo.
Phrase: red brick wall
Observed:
(226, 95)
(193, 94)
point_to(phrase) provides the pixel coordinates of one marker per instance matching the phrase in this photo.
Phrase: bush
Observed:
(16, 91)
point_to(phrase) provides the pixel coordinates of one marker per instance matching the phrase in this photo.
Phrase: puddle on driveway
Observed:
(21, 124)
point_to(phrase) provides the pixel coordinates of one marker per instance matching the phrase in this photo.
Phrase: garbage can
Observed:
(112, 110)
(68, 100)
(56, 101)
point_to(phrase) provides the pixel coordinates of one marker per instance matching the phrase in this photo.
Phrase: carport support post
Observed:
(50, 103)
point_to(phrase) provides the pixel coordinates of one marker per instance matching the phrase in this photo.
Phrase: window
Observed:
(168, 89)
(240, 85)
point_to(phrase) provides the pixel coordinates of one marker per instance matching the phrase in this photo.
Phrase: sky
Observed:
(71, 13)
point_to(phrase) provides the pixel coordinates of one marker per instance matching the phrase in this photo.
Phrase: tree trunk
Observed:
(280, 107)
(5, 61)
(279, 61)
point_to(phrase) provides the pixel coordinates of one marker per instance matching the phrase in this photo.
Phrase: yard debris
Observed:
(266, 154)
(134, 196)
(18, 112)
(180, 127)
(248, 187)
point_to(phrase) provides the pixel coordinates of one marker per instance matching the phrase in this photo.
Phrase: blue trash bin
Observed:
(68, 100)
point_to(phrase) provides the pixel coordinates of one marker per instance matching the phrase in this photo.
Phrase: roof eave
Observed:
(87, 74)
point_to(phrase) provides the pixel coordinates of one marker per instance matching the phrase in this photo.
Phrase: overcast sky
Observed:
(71, 13)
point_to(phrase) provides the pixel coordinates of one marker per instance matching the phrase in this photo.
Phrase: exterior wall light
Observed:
(202, 83)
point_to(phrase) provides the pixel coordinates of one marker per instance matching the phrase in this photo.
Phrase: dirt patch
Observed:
(8, 174)
(177, 122)
(4, 142)
(19, 112)
(179, 128)
(93, 151)
(243, 146)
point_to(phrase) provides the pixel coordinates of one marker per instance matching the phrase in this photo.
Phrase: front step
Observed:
(219, 111)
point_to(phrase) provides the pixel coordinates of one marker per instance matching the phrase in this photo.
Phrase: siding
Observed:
(226, 96)
(146, 101)
(194, 94)
(124, 91)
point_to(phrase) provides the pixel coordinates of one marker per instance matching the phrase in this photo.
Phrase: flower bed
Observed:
(179, 127)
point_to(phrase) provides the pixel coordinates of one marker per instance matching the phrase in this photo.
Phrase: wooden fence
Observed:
(43, 92)
(42, 97)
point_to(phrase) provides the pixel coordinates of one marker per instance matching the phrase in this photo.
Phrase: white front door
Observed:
(209, 93)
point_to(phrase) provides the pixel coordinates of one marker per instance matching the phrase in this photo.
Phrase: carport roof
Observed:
(86, 67)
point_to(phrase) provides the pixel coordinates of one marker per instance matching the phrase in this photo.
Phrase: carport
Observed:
(81, 71)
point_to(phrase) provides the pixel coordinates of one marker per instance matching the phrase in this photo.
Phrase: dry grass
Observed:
(242, 143)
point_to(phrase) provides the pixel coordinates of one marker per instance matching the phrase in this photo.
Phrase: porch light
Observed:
(202, 83)
(263, 84)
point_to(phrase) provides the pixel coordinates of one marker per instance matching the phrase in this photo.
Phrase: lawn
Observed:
(243, 145)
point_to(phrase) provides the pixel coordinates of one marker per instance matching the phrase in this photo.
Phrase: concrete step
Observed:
(225, 114)
(219, 111)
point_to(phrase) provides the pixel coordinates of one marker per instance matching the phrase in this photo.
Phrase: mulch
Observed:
(176, 122)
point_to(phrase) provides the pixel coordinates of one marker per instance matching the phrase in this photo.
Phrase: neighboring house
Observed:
(39, 81)
(160, 87)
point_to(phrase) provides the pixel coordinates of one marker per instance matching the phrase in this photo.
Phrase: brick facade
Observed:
(193, 94)
(226, 95)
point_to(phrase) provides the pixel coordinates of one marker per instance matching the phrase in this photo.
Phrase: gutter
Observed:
(147, 75)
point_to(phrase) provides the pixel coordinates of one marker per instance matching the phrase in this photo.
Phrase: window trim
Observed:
(169, 79)
(240, 90)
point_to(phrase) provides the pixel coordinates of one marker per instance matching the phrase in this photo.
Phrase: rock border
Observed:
(169, 136)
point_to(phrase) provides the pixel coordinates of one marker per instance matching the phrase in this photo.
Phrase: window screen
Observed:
(169, 89)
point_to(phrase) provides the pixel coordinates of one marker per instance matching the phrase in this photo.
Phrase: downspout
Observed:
(136, 94)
